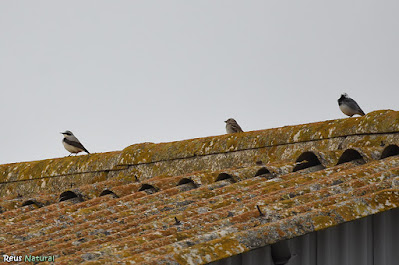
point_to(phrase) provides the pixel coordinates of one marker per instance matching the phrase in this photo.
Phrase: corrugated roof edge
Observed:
(243, 241)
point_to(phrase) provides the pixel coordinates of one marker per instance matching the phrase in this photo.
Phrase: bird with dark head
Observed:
(348, 106)
(232, 126)
(72, 144)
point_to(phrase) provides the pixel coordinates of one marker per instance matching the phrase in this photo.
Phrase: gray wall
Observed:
(369, 241)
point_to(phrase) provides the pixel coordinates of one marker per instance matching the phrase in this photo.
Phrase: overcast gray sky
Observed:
(118, 73)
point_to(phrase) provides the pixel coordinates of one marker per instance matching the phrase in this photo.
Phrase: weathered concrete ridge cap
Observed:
(58, 166)
(377, 122)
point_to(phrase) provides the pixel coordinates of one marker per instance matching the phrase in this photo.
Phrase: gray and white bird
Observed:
(232, 126)
(72, 144)
(348, 106)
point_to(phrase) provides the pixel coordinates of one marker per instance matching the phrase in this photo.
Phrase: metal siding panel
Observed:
(236, 260)
(258, 256)
(327, 246)
(281, 252)
(386, 236)
(303, 250)
(346, 244)
(358, 237)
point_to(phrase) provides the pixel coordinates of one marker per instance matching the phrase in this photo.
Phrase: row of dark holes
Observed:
(309, 159)
(347, 156)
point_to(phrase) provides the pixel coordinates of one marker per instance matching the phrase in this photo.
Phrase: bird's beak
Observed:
(225, 121)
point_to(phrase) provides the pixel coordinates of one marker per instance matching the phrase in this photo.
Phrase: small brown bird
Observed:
(232, 126)
(348, 106)
(72, 144)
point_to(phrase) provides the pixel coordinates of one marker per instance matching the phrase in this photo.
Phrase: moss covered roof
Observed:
(201, 200)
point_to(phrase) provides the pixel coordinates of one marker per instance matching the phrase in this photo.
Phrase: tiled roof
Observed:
(201, 200)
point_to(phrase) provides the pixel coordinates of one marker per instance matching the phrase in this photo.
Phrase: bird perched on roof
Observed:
(72, 144)
(232, 126)
(348, 106)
